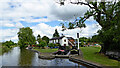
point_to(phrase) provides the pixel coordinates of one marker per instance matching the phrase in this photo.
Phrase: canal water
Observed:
(17, 57)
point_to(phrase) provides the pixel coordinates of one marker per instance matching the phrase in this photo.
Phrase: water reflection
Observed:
(0, 61)
(17, 57)
(26, 57)
(11, 58)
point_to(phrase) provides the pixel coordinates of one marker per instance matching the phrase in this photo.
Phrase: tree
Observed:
(89, 40)
(82, 40)
(43, 44)
(56, 34)
(8, 43)
(51, 45)
(39, 39)
(46, 39)
(95, 38)
(107, 15)
(38, 36)
(26, 37)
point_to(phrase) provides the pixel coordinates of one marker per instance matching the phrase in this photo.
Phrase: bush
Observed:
(57, 44)
(51, 45)
(43, 44)
(8, 44)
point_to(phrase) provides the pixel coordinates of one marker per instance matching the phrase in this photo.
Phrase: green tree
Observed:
(39, 39)
(107, 15)
(46, 39)
(95, 38)
(56, 34)
(43, 44)
(89, 40)
(82, 40)
(8, 43)
(38, 36)
(51, 45)
(26, 37)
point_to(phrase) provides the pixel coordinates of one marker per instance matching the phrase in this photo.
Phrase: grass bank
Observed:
(89, 53)
(46, 50)
(0, 51)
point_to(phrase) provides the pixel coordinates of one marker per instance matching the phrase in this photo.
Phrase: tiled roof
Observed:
(57, 38)
(69, 38)
(60, 38)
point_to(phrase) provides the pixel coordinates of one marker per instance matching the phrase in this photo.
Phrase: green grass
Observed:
(46, 50)
(0, 51)
(89, 53)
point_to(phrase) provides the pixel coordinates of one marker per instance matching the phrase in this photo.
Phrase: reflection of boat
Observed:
(26, 47)
(74, 50)
(29, 47)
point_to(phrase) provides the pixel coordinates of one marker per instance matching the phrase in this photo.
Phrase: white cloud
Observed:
(90, 19)
(8, 34)
(44, 29)
(18, 25)
(15, 38)
(8, 23)
(39, 8)
(32, 20)
(89, 31)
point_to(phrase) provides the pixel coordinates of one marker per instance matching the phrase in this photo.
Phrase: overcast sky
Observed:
(43, 16)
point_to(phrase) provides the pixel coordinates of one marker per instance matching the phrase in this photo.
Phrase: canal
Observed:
(18, 57)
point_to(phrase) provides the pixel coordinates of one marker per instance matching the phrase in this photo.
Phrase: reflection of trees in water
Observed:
(26, 57)
(64, 62)
(59, 61)
(6, 50)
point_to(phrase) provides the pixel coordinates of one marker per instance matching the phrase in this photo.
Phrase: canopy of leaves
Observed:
(56, 34)
(84, 39)
(45, 38)
(39, 39)
(43, 43)
(51, 45)
(26, 37)
(8, 43)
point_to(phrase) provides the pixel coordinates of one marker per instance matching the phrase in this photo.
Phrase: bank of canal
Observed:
(17, 57)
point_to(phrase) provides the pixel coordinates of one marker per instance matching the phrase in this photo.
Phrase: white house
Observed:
(63, 41)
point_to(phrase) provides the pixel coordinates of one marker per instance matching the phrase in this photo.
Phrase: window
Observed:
(65, 40)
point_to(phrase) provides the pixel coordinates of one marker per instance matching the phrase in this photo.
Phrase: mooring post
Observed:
(78, 42)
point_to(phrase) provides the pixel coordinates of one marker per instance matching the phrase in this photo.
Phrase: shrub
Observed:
(43, 43)
(51, 45)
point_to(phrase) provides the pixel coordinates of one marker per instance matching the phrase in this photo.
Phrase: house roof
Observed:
(69, 38)
(60, 38)
(57, 38)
